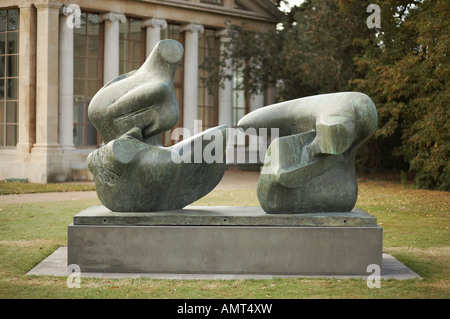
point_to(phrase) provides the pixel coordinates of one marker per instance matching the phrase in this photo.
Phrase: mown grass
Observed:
(7, 188)
(415, 226)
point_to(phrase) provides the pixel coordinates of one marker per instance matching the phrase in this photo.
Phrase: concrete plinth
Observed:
(224, 240)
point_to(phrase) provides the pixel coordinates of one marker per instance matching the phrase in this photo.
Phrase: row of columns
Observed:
(54, 72)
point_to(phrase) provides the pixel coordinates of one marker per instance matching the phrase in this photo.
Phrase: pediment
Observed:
(263, 8)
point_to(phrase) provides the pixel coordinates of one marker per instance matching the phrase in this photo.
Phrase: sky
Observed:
(291, 3)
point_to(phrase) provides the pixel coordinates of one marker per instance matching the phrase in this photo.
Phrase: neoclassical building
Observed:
(55, 55)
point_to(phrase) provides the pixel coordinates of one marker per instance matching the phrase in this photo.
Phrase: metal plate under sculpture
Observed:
(133, 172)
(311, 166)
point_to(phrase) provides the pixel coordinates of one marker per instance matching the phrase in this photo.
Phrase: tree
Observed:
(256, 55)
(319, 47)
(312, 54)
(407, 73)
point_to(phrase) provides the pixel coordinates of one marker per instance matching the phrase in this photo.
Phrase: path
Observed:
(233, 179)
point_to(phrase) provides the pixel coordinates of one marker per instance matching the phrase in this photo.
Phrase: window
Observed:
(207, 102)
(173, 32)
(9, 76)
(216, 2)
(239, 100)
(88, 44)
(132, 50)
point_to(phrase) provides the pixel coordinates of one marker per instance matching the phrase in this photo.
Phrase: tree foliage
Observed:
(319, 47)
(406, 72)
(256, 55)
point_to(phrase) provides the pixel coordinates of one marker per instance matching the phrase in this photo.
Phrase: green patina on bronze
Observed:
(311, 166)
(133, 172)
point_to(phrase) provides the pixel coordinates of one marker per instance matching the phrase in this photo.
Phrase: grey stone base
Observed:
(221, 216)
(56, 265)
(284, 249)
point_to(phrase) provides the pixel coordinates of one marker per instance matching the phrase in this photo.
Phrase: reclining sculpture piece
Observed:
(311, 166)
(133, 172)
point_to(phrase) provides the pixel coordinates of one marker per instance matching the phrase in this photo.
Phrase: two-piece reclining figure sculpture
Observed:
(309, 168)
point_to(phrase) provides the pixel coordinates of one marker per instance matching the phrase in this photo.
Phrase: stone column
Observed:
(111, 45)
(66, 76)
(226, 96)
(257, 101)
(27, 76)
(153, 26)
(190, 94)
(226, 92)
(47, 45)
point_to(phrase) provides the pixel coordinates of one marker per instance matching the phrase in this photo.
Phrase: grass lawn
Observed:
(415, 226)
(7, 188)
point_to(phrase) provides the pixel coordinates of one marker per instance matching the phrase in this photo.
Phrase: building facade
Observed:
(54, 57)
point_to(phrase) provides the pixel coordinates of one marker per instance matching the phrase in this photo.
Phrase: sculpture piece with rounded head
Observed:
(144, 98)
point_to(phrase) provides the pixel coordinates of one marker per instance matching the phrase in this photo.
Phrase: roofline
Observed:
(278, 16)
(273, 9)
